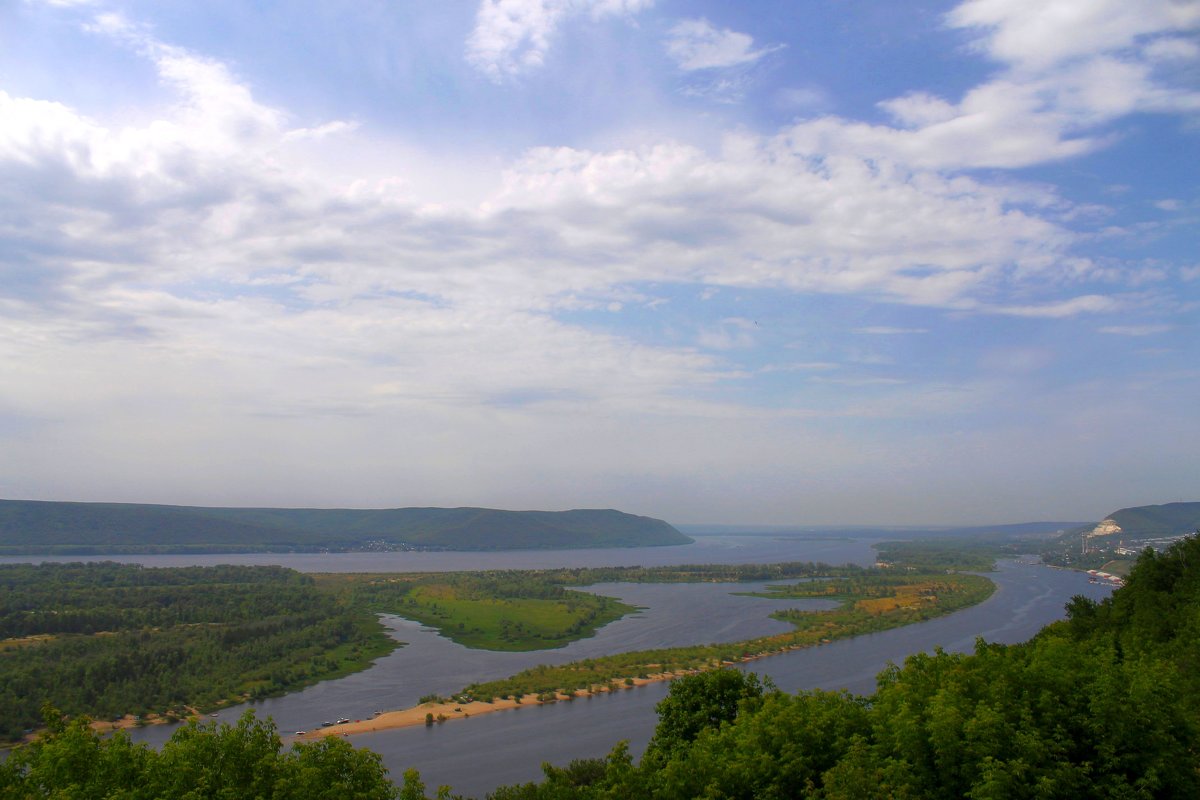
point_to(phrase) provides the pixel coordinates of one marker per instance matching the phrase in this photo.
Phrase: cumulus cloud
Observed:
(763, 213)
(696, 44)
(1037, 34)
(189, 271)
(513, 36)
(1067, 69)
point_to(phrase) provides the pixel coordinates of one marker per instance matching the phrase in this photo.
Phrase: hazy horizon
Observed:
(756, 263)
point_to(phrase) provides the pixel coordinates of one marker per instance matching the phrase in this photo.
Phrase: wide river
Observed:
(476, 755)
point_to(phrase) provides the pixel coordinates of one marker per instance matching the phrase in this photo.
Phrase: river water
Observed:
(476, 755)
(717, 549)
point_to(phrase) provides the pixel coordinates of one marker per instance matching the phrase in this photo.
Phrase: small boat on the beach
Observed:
(343, 720)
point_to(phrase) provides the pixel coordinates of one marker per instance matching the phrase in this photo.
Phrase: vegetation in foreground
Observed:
(114, 639)
(246, 760)
(1105, 704)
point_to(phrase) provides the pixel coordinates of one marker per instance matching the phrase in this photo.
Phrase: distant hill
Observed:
(1011, 530)
(38, 527)
(1150, 522)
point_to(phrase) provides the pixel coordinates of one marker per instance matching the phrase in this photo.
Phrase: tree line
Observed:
(110, 639)
(1104, 704)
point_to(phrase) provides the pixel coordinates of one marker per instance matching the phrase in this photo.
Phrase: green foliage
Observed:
(975, 553)
(200, 762)
(491, 610)
(1105, 705)
(533, 609)
(697, 702)
(28, 526)
(1137, 526)
(872, 600)
(1168, 519)
(113, 639)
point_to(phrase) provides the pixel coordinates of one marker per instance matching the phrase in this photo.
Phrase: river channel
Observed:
(476, 755)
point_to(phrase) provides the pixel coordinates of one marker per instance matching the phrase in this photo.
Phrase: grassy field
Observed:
(501, 623)
(486, 611)
(868, 604)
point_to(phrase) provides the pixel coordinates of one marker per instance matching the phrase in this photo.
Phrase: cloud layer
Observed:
(194, 283)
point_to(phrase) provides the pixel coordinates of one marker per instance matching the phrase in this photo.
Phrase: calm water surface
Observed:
(748, 549)
(477, 755)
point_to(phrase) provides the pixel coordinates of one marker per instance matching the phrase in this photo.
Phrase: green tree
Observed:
(199, 762)
(700, 701)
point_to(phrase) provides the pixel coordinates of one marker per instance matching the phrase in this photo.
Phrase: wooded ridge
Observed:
(47, 527)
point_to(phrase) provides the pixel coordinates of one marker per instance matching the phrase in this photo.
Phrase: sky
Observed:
(766, 262)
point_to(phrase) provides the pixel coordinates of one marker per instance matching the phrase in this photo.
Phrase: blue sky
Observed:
(763, 262)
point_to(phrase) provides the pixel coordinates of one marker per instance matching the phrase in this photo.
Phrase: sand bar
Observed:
(449, 710)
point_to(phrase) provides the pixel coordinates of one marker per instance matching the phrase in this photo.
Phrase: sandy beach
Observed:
(448, 711)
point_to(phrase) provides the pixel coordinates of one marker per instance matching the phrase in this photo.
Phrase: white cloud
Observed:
(321, 131)
(762, 214)
(513, 36)
(190, 285)
(1038, 34)
(1087, 304)
(696, 44)
(1069, 67)
(1135, 330)
(1169, 48)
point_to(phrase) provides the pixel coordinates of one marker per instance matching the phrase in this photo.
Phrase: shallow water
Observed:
(477, 755)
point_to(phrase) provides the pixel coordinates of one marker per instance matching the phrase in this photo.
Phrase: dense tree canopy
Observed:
(111, 639)
(1105, 704)
(245, 761)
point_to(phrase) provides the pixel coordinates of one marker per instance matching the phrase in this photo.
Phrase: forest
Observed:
(114, 640)
(1104, 704)
(110, 639)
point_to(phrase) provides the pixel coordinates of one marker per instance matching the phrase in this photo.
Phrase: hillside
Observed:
(1122, 535)
(34, 527)
(1149, 522)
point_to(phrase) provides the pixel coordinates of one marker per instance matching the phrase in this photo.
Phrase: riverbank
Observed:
(437, 713)
(445, 711)
(866, 605)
